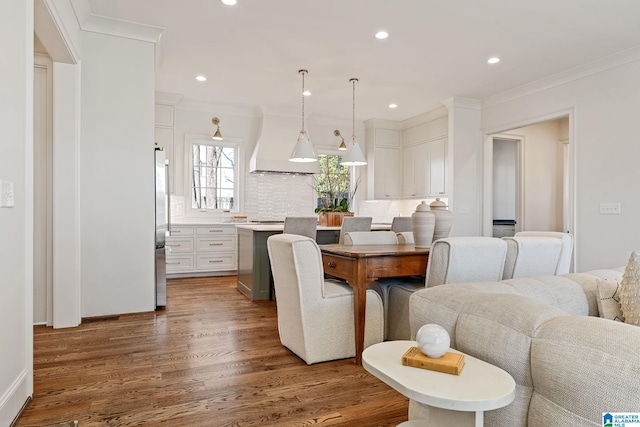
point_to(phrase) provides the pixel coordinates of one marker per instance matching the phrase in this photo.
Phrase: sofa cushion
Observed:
(582, 367)
(609, 300)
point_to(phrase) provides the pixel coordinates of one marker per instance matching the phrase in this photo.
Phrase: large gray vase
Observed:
(444, 219)
(423, 224)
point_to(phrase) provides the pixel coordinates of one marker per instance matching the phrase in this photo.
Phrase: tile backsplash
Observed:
(274, 196)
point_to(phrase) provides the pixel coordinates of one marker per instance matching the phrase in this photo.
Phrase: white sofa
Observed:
(569, 365)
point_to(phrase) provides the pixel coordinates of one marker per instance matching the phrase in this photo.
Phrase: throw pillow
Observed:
(630, 291)
(609, 300)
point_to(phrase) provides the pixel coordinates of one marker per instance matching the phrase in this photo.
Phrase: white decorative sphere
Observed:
(433, 340)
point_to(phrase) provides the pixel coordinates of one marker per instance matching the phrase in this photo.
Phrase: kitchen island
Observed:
(254, 268)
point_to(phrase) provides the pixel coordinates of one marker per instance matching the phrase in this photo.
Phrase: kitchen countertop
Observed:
(279, 227)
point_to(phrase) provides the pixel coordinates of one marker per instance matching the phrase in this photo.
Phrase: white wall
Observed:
(607, 107)
(117, 213)
(464, 166)
(505, 157)
(16, 224)
(542, 176)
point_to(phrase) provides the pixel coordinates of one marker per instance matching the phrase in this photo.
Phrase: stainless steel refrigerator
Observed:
(162, 225)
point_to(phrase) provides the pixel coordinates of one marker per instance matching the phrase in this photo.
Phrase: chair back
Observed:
(405, 238)
(401, 223)
(301, 225)
(370, 238)
(298, 276)
(466, 259)
(564, 262)
(354, 223)
(531, 256)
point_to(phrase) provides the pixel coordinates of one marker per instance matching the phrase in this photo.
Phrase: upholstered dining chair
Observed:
(370, 238)
(301, 225)
(405, 238)
(381, 286)
(354, 223)
(531, 256)
(564, 262)
(451, 260)
(315, 316)
(401, 223)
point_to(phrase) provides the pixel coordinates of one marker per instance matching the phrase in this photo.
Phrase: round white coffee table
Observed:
(454, 400)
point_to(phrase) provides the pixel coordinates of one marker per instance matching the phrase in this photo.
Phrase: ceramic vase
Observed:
(433, 340)
(630, 291)
(444, 219)
(423, 224)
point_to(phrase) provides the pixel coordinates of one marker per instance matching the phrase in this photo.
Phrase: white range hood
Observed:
(278, 136)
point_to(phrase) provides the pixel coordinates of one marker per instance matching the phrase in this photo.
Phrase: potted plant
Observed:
(332, 187)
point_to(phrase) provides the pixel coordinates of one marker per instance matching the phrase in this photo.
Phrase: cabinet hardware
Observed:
(332, 264)
(215, 260)
(176, 262)
(441, 192)
(176, 244)
(176, 231)
(215, 231)
(216, 244)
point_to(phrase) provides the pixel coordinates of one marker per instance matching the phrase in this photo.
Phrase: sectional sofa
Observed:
(570, 365)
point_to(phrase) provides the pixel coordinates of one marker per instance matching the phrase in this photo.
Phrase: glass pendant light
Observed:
(354, 155)
(303, 151)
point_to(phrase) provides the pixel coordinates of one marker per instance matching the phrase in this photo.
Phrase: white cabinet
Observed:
(201, 250)
(437, 167)
(387, 175)
(415, 166)
(424, 160)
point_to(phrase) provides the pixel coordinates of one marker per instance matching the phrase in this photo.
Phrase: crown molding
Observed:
(168, 98)
(461, 102)
(576, 73)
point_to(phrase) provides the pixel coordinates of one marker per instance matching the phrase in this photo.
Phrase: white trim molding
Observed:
(12, 401)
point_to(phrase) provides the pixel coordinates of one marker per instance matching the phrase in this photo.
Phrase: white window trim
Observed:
(236, 143)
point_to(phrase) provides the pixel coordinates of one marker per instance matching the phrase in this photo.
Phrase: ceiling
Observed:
(437, 49)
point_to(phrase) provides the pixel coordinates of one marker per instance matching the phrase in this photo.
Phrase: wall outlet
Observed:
(609, 208)
(6, 194)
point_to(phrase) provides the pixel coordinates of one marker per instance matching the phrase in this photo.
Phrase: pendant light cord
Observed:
(303, 72)
(353, 117)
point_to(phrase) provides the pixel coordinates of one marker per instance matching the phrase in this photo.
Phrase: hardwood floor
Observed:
(211, 358)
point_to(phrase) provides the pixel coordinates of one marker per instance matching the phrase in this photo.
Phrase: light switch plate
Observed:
(6, 194)
(609, 208)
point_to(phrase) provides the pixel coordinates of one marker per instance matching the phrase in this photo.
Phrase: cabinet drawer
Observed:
(215, 230)
(215, 244)
(223, 261)
(180, 230)
(178, 263)
(177, 245)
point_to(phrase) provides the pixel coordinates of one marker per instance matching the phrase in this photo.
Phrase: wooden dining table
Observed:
(360, 265)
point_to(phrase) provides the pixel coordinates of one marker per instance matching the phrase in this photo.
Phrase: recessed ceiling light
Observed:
(493, 60)
(201, 78)
(306, 93)
(229, 2)
(381, 35)
(393, 105)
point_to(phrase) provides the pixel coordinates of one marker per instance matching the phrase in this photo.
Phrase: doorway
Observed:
(507, 203)
(539, 158)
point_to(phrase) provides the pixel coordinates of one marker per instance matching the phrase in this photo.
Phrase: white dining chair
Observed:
(301, 225)
(315, 316)
(354, 223)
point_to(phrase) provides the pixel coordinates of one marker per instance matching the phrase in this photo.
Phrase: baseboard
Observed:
(13, 401)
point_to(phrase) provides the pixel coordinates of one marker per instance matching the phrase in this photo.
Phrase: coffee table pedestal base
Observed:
(443, 417)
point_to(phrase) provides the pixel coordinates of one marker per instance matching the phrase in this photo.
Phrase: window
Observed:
(214, 176)
(333, 184)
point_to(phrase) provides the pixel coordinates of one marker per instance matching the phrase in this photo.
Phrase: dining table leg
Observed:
(360, 307)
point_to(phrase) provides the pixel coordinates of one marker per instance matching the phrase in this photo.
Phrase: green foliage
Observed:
(332, 185)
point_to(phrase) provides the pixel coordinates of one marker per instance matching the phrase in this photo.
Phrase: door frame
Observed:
(570, 222)
(520, 199)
